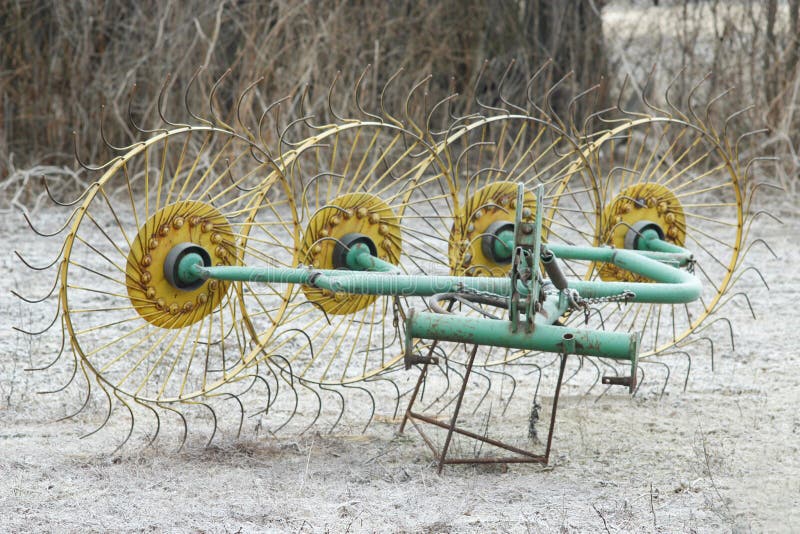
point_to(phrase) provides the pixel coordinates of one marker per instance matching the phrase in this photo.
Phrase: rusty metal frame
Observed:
(520, 455)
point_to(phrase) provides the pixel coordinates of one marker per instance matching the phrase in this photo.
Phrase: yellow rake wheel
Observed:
(687, 182)
(140, 336)
(357, 178)
(487, 159)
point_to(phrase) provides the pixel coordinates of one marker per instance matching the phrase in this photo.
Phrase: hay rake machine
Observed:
(210, 263)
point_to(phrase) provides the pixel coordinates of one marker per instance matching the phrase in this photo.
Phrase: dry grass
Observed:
(61, 61)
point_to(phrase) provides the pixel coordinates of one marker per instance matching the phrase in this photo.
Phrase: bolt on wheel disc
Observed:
(153, 297)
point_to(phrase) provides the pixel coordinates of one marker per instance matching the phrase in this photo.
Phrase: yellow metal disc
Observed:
(151, 294)
(492, 203)
(361, 213)
(640, 202)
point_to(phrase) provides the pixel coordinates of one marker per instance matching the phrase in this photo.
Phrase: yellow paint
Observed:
(361, 213)
(153, 297)
(640, 202)
(491, 203)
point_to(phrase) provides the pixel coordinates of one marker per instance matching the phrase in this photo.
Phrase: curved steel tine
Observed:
(689, 100)
(330, 97)
(105, 139)
(647, 83)
(341, 405)
(85, 400)
(160, 106)
(532, 79)
(158, 421)
(372, 403)
(211, 101)
(303, 113)
(133, 122)
(672, 106)
(319, 405)
(406, 108)
(767, 185)
(312, 180)
(396, 390)
(761, 242)
(639, 381)
(42, 299)
(513, 386)
(747, 134)
(186, 98)
(572, 105)
(33, 267)
(282, 136)
(45, 234)
(85, 165)
(445, 100)
(213, 416)
(599, 116)
(133, 419)
(65, 386)
(619, 100)
(261, 123)
(251, 383)
(597, 375)
(67, 204)
(163, 406)
(48, 327)
(710, 104)
(548, 98)
(666, 378)
(239, 101)
(241, 412)
(108, 411)
(452, 399)
(718, 319)
(457, 166)
(58, 356)
(500, 88)
(746, 298)
(735, 114)
(477, 84)
(294, 409)
(445, 372)
(688, 366)
(578, 370)
(746, 269)
(270, 397)
(486, 393)
(234, 182)
(385, 113)
(357, 95)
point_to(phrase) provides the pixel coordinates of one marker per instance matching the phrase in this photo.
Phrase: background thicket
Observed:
(61, 61)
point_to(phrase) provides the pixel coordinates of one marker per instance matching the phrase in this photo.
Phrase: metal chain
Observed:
(625, 296)
(471, 291)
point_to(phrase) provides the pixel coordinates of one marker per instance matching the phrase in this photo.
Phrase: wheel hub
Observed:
(156, 297)
(638, 206)
(473, 238)
(353, 214)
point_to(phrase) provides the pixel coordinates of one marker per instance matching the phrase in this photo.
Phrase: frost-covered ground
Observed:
(721, 456)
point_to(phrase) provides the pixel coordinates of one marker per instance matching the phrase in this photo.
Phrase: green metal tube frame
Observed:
(672, 285)
(365, 274)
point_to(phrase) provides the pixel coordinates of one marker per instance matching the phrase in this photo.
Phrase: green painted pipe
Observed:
(545, 337)
(359, 258)
(676, 286)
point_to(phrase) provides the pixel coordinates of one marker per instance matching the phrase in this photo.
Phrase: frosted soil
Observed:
(721, 456)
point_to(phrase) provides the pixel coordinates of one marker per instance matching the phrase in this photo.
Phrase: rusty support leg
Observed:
(460, 398)
(420, 380)
(555, 407)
